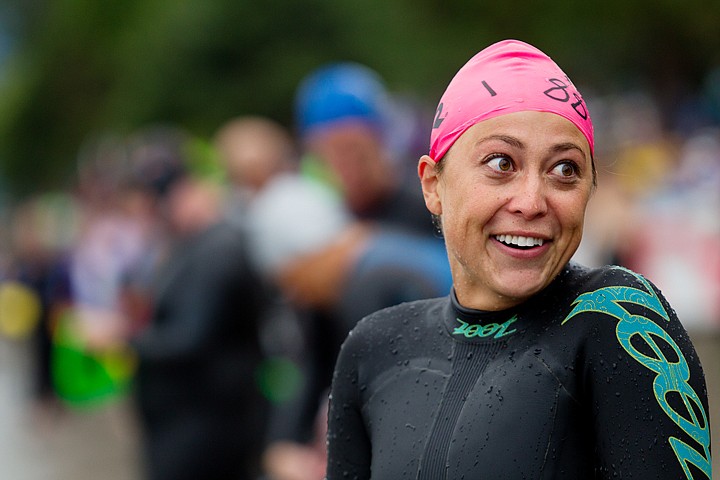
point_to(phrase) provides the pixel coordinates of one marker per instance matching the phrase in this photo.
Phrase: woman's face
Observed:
(512, 197)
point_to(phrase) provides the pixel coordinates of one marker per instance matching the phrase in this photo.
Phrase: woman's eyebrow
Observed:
(517, 143)
(565, 146)
(512, 141)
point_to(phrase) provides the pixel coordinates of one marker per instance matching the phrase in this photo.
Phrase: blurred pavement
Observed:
(37, 444)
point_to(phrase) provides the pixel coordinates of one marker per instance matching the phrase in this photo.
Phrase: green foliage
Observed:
(86, 66)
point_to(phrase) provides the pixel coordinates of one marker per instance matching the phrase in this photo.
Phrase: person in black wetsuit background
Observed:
(201, 409)
(534, 366)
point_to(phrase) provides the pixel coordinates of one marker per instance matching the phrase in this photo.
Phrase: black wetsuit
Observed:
(592, 378)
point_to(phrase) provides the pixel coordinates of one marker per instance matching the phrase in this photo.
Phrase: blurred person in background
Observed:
(252, 151)
(266, 193)
(635, 159)
(676, 233)
(652, 184)
(36, 284)
(296, 219)
(343, 117)
(201, 411)
(114, 255)
(340, 238)
(121, 237)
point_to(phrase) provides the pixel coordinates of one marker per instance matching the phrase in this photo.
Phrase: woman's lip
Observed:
(522, 253)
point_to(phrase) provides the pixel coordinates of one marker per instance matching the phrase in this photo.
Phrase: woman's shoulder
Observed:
(607, 276)
(612, 284)
(615, 292)
(634, 355)
(398, 320)
(404, 313)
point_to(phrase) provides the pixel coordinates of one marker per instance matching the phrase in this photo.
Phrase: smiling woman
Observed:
(533, 367)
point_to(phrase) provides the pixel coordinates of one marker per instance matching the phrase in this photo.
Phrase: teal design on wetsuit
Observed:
(498, 330)
(672, 376)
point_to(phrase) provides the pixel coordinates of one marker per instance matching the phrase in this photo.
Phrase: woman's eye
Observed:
(565, 169)
(500, 163)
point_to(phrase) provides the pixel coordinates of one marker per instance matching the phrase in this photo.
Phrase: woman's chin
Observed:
(518, 286)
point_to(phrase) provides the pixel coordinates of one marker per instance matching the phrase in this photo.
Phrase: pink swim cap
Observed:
(506, 77)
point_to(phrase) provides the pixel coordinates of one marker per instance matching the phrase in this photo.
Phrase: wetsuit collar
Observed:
(470, 325)
(467, 324)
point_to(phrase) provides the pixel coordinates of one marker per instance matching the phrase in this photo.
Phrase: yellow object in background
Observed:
(20, 310)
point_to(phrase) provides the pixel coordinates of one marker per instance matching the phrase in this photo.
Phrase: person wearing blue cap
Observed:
(343, 113)
(340, 92)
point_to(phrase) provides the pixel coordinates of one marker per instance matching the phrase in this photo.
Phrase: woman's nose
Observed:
(529, 198)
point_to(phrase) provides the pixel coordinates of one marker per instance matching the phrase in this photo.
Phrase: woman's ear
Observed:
(429, 180)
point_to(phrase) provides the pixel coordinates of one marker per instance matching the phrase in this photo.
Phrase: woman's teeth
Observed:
(519, 241)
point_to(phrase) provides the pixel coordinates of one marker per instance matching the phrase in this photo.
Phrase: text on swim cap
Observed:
(489, 88)
(561, 88)
(438, 121)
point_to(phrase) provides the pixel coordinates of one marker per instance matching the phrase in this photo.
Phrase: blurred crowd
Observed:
(212, 281)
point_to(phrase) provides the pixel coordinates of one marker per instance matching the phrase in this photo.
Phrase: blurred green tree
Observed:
(80, 67)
